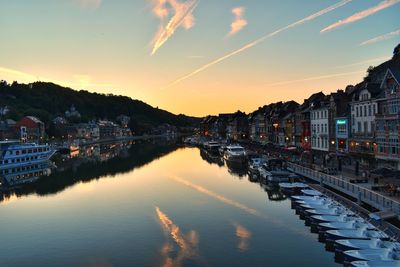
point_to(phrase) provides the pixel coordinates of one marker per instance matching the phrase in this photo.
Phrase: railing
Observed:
(376, 200)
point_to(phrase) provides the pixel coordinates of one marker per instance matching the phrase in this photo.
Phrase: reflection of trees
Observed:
(138, 155)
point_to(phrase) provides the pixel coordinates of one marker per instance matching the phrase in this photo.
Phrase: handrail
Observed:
(373, 198)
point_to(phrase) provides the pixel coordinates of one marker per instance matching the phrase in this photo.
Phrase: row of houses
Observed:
(362, 120)
(30, 128)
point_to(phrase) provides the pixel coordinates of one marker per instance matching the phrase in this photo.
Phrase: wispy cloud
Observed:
(89, 4)
(239, 22)
(244, 236)
(381, 38)
(182, 17)
(372, 60)
(17, 73)
(321, 77)
(79, 80)
(187, 244)
(361, 15)
(258, 41)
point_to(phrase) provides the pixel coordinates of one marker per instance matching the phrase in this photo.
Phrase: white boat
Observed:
(384, 254)
(311, 192)
(353, 244)
(305, 198)
(315, 219)
(22, 163)
(276, 176)
(254, 164)
(332, 211)
(235, 154)
(361, 233)
(376, 263)
(350, 225)
(292, 187)
(315, 201)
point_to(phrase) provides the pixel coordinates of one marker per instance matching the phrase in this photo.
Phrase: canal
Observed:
(153, 204)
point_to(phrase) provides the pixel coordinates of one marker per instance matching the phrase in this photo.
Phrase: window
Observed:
(357, 111)
(365, 110)
(365, 127)
(374, 107)
(369, 110)
(359, 127)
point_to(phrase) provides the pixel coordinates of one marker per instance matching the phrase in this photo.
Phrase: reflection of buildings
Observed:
(94, 153)
(87, 166)
(25, 174)
(211, 158)
(22, 163)
(273, 192)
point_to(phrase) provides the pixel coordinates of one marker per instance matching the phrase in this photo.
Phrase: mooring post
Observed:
(359, 197)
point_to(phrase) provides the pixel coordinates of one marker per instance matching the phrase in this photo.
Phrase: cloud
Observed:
(79, 80)
(239, 23)
(372, 60)
(361, 15)
(182, 17)
(381, 38)
(258, 41)
(327, 76)
(89, 4)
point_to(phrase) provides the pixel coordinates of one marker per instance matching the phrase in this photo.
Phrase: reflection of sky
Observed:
(106, 48)
(112, 220)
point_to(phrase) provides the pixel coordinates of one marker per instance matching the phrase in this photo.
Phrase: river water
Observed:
(152, 204)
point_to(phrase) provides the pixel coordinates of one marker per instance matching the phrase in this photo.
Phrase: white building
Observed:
(363, 110)
(320, 128)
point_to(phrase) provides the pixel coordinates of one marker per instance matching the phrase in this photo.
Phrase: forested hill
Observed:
(48, 100)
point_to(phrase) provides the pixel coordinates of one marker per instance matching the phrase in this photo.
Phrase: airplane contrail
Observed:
(361, 15)
(258, 41)
(381, 38)
(316, 78)
(183, 16)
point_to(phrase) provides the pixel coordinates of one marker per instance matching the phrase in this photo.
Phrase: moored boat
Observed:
(353, 244)
(235, 154)
(384, 254)
(22, 163)
(376, 263)
(362, 233)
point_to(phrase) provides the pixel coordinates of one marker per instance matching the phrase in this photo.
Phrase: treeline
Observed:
(48, 100)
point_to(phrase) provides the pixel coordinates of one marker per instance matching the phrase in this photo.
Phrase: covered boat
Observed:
(311, 192)
(353, 244)
(315, 219)
(376, 263)
(355, 234)
(350, 225)
(371, 254)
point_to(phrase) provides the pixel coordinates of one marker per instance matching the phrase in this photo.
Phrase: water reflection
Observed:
(219, 197)
(186, 245)
(211, 158)
(95, 162)
(244, 236)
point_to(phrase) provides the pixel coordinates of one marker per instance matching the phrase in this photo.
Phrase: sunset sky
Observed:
(197, 57)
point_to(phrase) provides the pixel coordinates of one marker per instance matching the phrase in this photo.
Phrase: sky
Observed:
(197, 57)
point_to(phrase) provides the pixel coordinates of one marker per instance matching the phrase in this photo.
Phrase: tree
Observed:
(396, 51)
